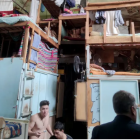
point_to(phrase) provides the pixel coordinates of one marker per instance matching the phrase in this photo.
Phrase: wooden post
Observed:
(2, 47)
(59, 31)
(49, 28)
(133, 32)
(87, 25)
(25, 44)
(104, 33)
(30, 50)
(8, 48)
(38, 16)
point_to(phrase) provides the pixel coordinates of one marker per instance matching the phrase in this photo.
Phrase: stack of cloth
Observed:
(6, 7)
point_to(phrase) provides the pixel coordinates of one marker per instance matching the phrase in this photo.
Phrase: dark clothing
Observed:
(121, 128)
(68, 137)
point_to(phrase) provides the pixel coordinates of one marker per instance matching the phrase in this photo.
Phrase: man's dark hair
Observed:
(59, 126)
(45, 102)
(123, 101)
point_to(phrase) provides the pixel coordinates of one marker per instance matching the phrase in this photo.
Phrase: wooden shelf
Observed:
(73, 42)
(20, 25)
(111, 5)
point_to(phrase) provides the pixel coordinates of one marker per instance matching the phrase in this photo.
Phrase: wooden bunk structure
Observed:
(5, 28)
(84, 95)
(111, 39)
(75, 21)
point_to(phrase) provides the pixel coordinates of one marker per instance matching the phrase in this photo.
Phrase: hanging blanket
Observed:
(12, 130)
(36, 42)
(47, 57)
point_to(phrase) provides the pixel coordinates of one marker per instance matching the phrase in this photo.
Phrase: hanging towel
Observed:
(36, 43)
(42, 8)
(110, 24)
(34, 10)
(118, 18)
(71, 3)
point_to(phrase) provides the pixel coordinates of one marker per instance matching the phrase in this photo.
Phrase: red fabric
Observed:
(74, 39)
(2, 13)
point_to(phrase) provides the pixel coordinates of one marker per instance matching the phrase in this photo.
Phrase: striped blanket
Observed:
(47, 57)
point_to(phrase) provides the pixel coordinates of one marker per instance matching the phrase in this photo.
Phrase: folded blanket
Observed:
(117, 73)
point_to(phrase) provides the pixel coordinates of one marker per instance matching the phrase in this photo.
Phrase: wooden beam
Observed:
(111, 3)
(49, 28)
(11, 31)
(133, 32)
(30, 47)
(104, 33)
(46, 22)
(1, 47)
(71, 17)
(103, 7)
(59, 31)
(25, 44)
(87, 25)
(38, 16)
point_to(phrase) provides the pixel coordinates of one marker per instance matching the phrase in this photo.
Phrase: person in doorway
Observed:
(124, 125)
(59, 132)
(39, 123)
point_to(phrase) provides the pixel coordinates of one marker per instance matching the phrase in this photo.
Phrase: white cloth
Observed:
(6, 5)
(110, 24)
(82, 10)
(34, 10)
(59, 2)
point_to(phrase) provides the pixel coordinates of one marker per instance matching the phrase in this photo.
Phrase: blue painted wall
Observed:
(10, 71)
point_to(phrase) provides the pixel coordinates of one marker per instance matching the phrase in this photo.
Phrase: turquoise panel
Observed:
(51, 93)
(107, 90)
(44, 89)
(35, 98)
(10, 71)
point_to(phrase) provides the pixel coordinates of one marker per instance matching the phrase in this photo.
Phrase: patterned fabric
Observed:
(47, 57)
(21, 45)
(12, 130)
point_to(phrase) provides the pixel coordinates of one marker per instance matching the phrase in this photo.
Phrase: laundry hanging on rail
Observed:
(118, 18)
(34, 10)
(110, 24)
(100, 17)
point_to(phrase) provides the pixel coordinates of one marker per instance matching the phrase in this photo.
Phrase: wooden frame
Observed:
(90, 103)
(111, 39)
(111, 5)
(62, 18)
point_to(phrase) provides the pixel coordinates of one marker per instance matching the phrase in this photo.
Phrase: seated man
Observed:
(59, 132)
(39, 123)
(124, 125)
